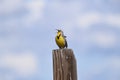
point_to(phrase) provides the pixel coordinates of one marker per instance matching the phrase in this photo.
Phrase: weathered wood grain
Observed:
(64, 65)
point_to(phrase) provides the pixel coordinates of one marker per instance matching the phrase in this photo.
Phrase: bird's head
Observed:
(59, 32)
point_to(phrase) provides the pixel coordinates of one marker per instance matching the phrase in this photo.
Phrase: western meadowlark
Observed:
(61, 39)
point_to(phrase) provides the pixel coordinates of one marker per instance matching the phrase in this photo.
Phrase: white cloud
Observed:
(10, 7)
(23, 64)
(36, 11)
(86, 20)
(101, 38)
(7, 6)
(104, 39)
(113, 19)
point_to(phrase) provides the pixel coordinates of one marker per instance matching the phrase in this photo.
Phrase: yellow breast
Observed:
(60, 42)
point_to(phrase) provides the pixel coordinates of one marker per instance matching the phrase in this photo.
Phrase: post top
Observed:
(65, 49)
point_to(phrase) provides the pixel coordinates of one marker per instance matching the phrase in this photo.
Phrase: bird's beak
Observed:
(58, 30)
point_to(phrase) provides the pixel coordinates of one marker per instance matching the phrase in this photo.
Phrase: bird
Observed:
(61, 39)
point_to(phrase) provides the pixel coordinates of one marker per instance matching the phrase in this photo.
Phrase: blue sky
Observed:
(28, 29)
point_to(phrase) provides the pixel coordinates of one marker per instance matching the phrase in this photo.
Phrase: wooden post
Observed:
(64, 65)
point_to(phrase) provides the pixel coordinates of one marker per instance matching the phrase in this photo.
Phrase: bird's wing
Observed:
(66, 45)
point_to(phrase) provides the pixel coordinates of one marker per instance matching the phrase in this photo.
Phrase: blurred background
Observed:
(28, 29)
